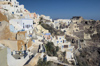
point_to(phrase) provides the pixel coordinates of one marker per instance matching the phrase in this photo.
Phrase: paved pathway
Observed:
(62, 63)
(34, 60)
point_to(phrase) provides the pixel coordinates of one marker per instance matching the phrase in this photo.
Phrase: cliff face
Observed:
(90, 54)
(3, 17)
(5, 31)
(92, 28)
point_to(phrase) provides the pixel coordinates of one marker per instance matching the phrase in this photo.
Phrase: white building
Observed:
(21, 25)
(13, 2)
(66, 47)
(13, 7)
(56, 24)
(62, 43)
(70, 56)
(58, 40)
(6, 59)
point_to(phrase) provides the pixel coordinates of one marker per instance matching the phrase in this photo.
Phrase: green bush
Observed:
(51, 49)
(39, 22)
(43, 63)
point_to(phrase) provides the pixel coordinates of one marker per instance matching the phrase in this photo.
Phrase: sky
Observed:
(64, 9)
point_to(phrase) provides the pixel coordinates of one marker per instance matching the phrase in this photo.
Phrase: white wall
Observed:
(69, 55)
(18, 24)
(5, 6)
(16, 10)
(60, 40)
(53, 58)
(28, 22)
(15, 62)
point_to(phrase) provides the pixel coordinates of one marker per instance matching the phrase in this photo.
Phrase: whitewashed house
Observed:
(70, 56)
(17, 8)
(13, 2)
(13, 7)
(56, 24)
(21, 25)
(58, 40)
(8, 59)
(67, 47)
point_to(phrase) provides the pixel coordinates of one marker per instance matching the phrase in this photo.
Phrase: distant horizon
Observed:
(64, 9)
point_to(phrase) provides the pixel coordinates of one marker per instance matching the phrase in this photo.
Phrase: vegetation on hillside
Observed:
(44, 63)
(52, 30)
(51, 50)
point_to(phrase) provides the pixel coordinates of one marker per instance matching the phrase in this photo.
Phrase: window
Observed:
(31, 26)
(63, 41)
(64, 30)
(9, 3)
(23, 25)
(0, 24)
(62, 46)
(57, 42)
(27, 26)
(12, 12)
(56, 37)
(90, 27)
(56, 27)
(76, 29)
(86, 22)
(68, 23)
(65, 46)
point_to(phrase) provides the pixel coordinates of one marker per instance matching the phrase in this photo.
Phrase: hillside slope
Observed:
(3, 17)
(52, 30)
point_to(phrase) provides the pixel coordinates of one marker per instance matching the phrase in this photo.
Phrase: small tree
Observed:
(40, 22)
(43, 63)
(51, 49)
(57, 49)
